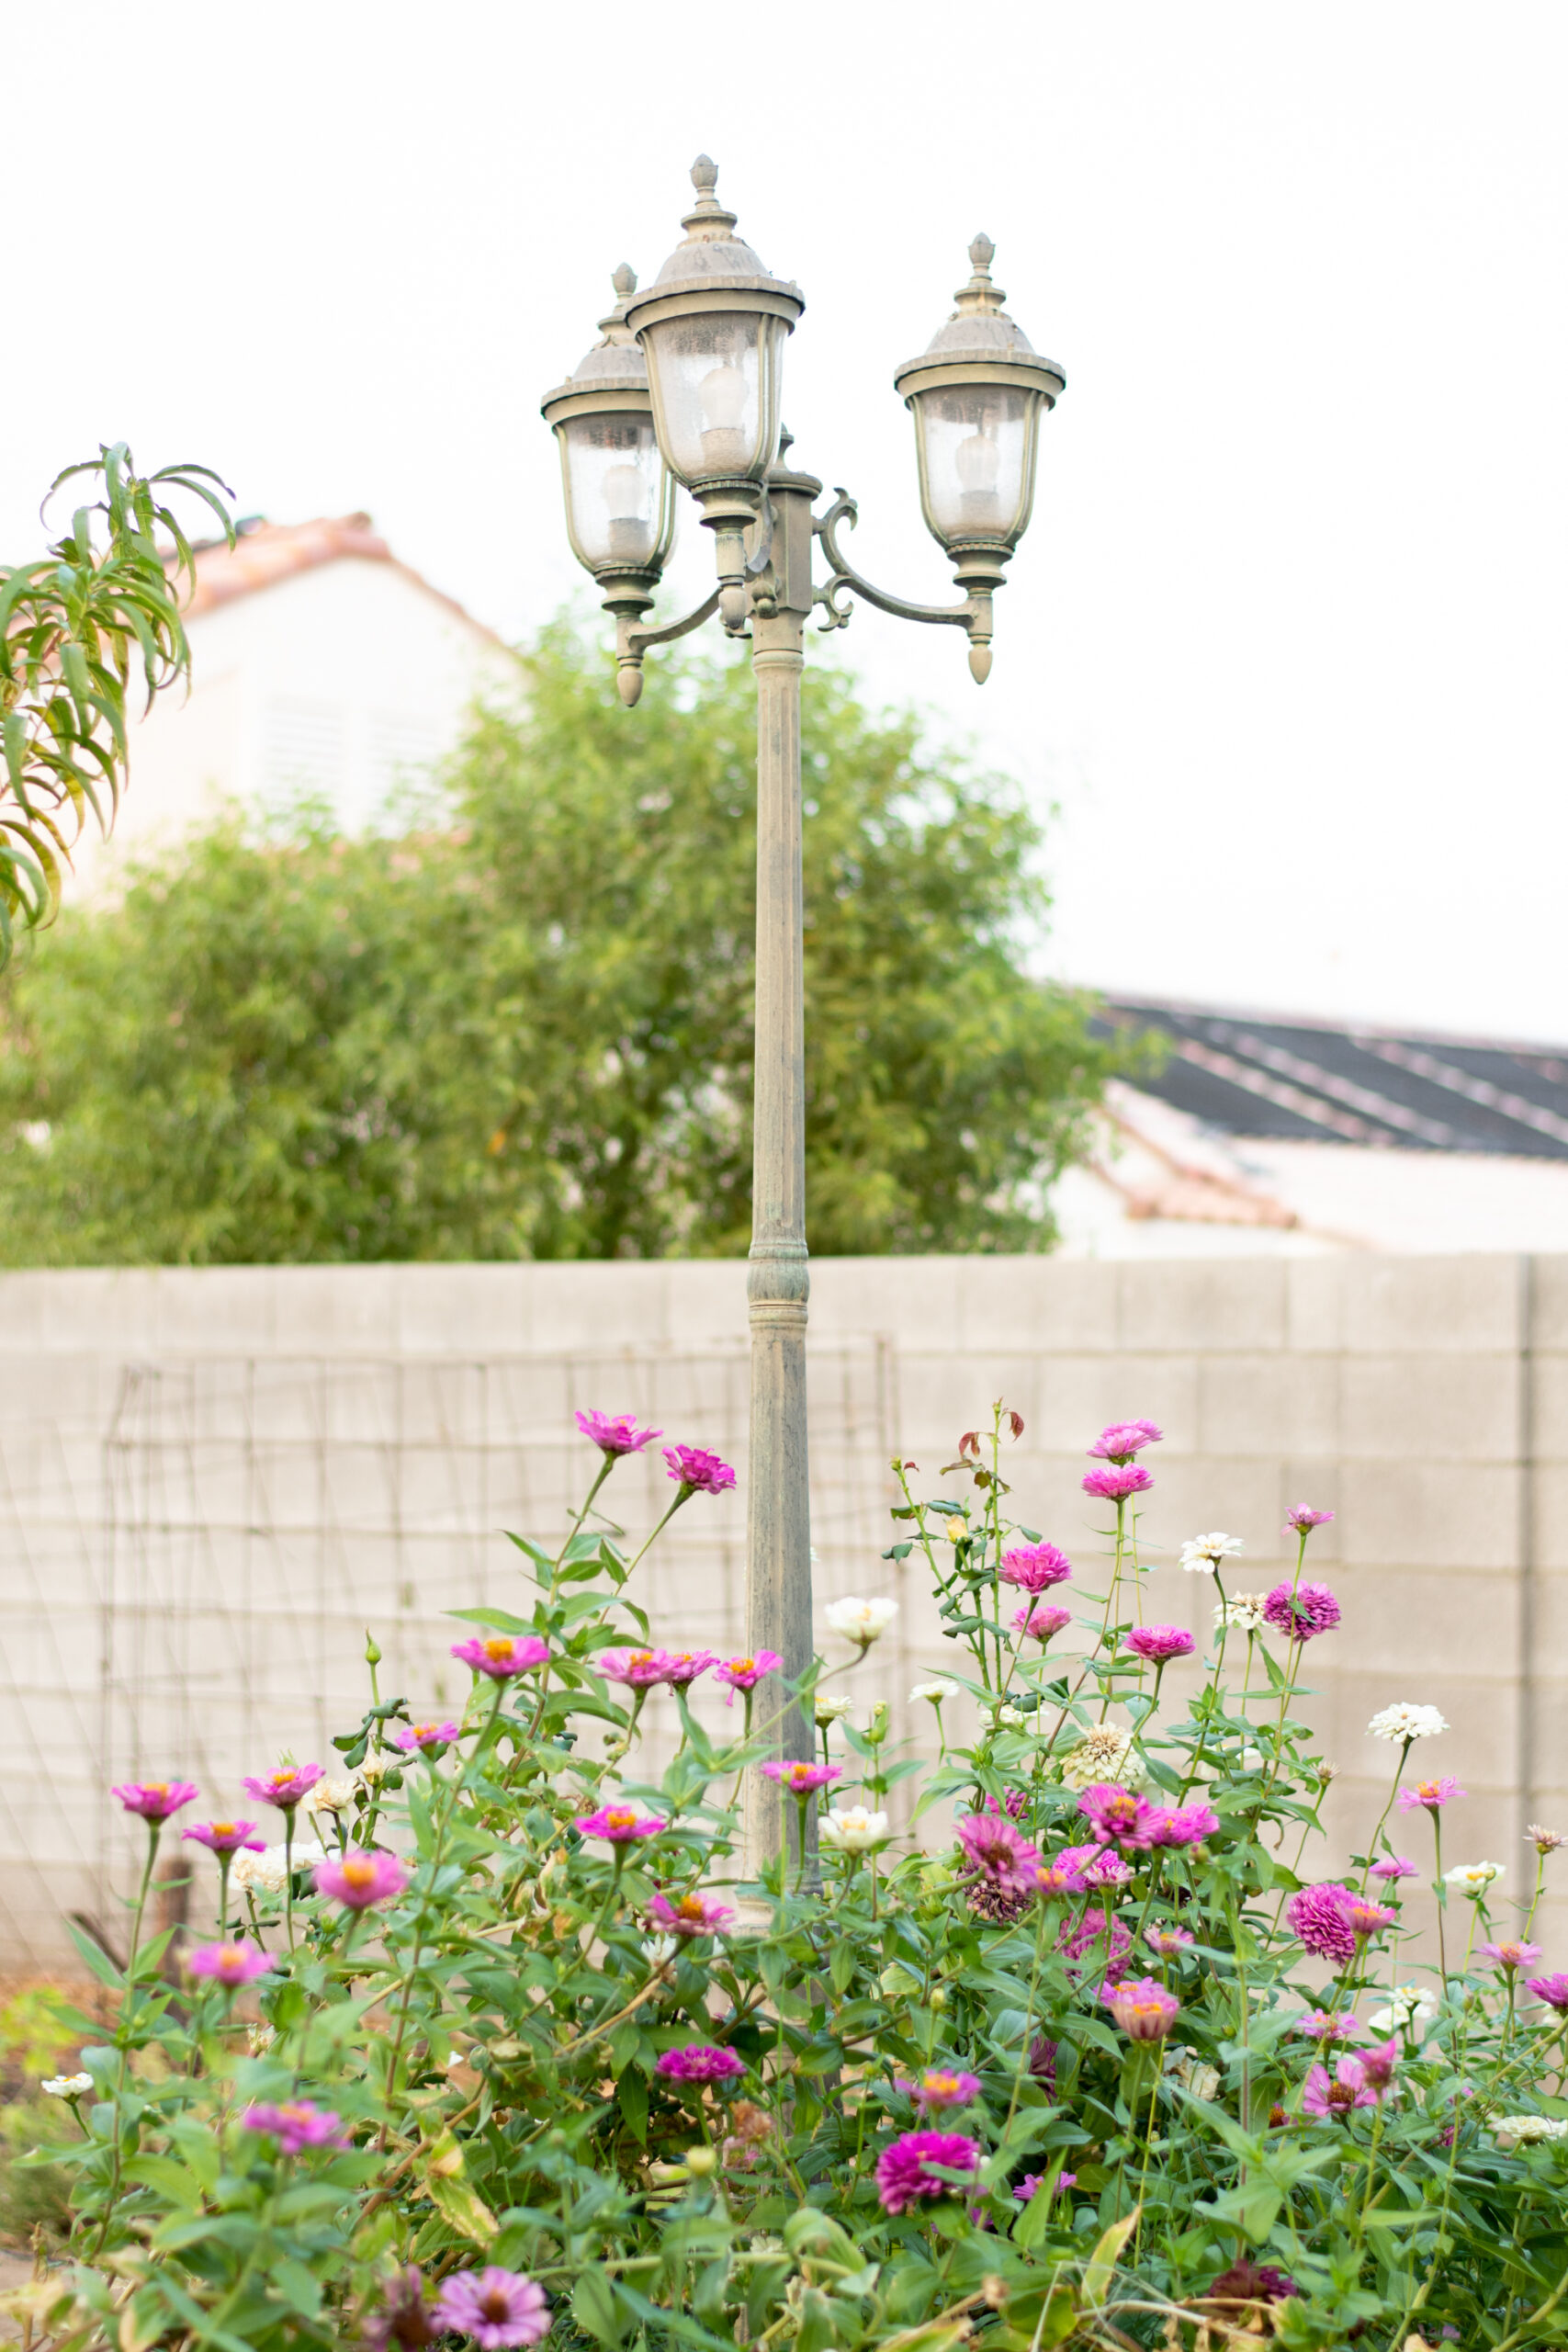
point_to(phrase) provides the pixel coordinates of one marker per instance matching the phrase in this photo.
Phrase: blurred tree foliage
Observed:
(523, 1029)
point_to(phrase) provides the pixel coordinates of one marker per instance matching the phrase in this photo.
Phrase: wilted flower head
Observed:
(800, 1778)
(942, 2086)
(1002, 1855)
(1160, 1644)
(331, 1795)
(155, 1799)
(1334, 2094)
(745, 1673)
(1142, 2007)
(1169, 1942)
(365, 1877)
(860, 1620)
(1202, 1555)
(1245, 1612)
(1403, 1721)
(750, 2129)
(1251, 2282)
(1327, 2025)
(404, 2318)
(1041, 1620)
(297, 2124)
(1510, 1954)
(936, 1694)
(1431, 1796)
(1122, 1440)
(852, 1829)
(1117, 1481)
(1473, 1878)
(1301, 1519)
(502, 1656)
(226, 1837)
(1395, 1866)
(229, 1964)
(1545, 1841)
(1103, 1754)
(1553, 1990)
(700, 2062)
(1034, 1568)
(1320, 1917)
(903, 2169)
(619, 1824)
(1309, 1610)
(615, 1433)
(498, 2308)
(432, 1739)
(697, 1473)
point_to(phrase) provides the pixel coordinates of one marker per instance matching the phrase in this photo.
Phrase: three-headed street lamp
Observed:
(684, 389)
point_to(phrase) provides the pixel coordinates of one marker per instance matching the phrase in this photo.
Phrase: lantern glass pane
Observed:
(710, 374)
(977, 451)
(613, 472)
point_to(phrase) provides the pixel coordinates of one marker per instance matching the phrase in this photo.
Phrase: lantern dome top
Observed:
(980, 332)
(711, 254)
(615, 362)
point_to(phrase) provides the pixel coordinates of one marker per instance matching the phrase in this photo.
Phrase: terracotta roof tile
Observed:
(265, 553)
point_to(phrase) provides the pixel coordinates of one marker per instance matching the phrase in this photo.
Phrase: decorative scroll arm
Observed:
(632, 644)
(973, 615)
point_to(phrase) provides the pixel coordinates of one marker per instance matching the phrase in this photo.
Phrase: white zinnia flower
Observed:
(1203, 1554)
(1103, 1754)
(853, 1829)
(1408, 2005)
(658, 1950)
(935, 1692)
(1012, 1717)
(330, 1796)
(860, 1620)
(1245, 1613)
(1473, 1878)
(267, 1872)
(66, 2086)
(1404, 1721)
(1511, 2129)
(829, 1708)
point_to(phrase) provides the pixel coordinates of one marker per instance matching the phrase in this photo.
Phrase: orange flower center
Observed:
(498, 1650)
(742, 1665)
(223, 1829)
(690, 1907)
(942, 2086)
(620, 1819)
(231, 1956)
(359, 1873)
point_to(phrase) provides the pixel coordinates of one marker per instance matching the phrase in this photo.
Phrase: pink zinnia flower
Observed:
(1041, 1620)
(1511, 1956)
(1378, 2064)
(638, 1670)
(700, 2062)
(685, 1666)
(1553, 1990)
(1061, 1873)
(229, 1963)
(155, 1799)
(1035, 2180)
(1117, 1817)
(226, 1837)
(939, 2087)
(1097, 1865)
(1367, 1919)
(1319, 1915)
(1102, 1937)
(745, 1673)
(615, 1433)
(903, 2169)
(1004, 1857)
(1330, 2095)
(1160, 1644)
(498, 2308)
(619, 1824)
(1309, 1611)
(363, 1878)
(801, 1778)
(1124, 1439)
(1115, 1484)
(1184, 1825)
(1142, 2009)
(286, 1788)
(1302, 1520)
(297, 2124)
(1395, 1866)
(1327, 2025)
(1430, 1796)
(690, 1914)
(1034, 1568)
(697, 1473)
(502, 1656)
(1169, 1942)
(432, 1739)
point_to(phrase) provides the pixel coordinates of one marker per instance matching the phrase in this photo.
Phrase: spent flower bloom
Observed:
(1510, 1955)
(156, 1800)
(1395, 1866)
(1335, 2095)
(404, 2318)
(745, 1673)
(229, 1964)
(1403, 1721)
(331, 1795)
(697, 1473)
(1243, 1613)
(1473, 1878)
(1301, 1519)
(942, 2087)
(1305, 1613)
(1553, 1990)
(286, 1788)
(1169, 1942)
(620, 1825)
(502, 1656)
(1122, 1440)
(1041, 1620)
(1203, 1555)
(1117, 1481)
(859, 1620)
(689, 1915)
(1159, 1644)
(498, 2308)
(800, 1777)
(432, 1739)
(1320, 1917)
(297, 2124)
(66, 2086)
(1142, 2007)
(700, 2062)
(1034, 1568)
(226, 1837)
(904, 2171)
(615, 1433)
(1430, 1795)
(1545, 1841)
(852, 1829)
(365, 1877)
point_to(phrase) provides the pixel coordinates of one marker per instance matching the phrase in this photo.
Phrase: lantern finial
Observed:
(979, 296)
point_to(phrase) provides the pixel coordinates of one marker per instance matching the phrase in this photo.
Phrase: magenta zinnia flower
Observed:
(1114, 1484)
(1097, 1934)
(1319, 1915)
(1303, 1614)
(1033, 2180)
(700, 2062)
(155, 1799)
(685, 1666)
(1367, 1919)
(1302, 1519)
(502, 1656)
(1184, 1825)
(801, 1778)
(697, 1473)
(363, 1878)
(1117, 1817)
(691, 1915)
(228, 1963)
(1014, 1804)
(1378, 2064)
(1430, 1796)
(297, 2124)
(1327, 2025)
(1169, 1942)
(903, 2169)
(1061, 1873)
(1041, 1620)
(638, 1670)
(745, 1673)
(226, 1837)
(1097, 1865)
(1142, 2007)
(1511, 1956)
(1003, 1855)
(1395, 1866)
(286, 1788)
(1034, 1568)
(939, 2087)
(615, 1433)
(498, 2308)
(619, 1824)
(1553, 1990)
(1160, 1644)
(432, 1739)
(1334, 2094)
(1122, 1440)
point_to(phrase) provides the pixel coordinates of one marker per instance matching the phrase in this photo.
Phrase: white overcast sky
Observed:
(1286, 639)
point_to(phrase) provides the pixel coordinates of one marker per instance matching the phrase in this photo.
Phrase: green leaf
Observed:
(97, 1958)
(631, 2098)
(1101, 2266)
(460, 2204)
(594, 2308)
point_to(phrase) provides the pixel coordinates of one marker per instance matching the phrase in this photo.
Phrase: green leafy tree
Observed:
(74, 626)
(526, 1029)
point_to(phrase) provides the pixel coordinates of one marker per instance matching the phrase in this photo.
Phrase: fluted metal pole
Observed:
(778, 1591)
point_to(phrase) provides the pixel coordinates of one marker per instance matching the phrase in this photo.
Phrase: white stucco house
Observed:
(320, 664)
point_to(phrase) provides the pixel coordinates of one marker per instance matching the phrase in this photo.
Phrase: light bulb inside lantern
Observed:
(979, 463)
(723, 398)
(625, 492)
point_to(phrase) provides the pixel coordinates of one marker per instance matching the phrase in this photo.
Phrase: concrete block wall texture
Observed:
(211, 1481)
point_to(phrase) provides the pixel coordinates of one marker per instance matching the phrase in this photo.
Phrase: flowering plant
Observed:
(541, 2049)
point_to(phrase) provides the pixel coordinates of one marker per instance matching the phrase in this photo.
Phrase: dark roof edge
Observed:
(1404, 1034)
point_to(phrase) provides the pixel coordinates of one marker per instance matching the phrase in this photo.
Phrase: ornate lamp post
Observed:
(684, 388)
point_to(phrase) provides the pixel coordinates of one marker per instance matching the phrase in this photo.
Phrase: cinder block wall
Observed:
(211, 1480)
